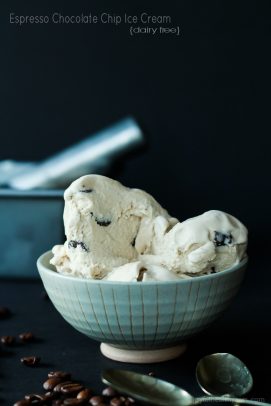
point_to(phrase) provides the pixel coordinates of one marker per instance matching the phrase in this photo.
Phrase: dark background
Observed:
(203, 96)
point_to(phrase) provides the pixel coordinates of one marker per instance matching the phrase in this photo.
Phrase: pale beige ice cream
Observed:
(121, 234)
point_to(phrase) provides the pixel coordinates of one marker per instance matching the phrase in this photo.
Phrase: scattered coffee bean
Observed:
(4, 312)
(35, 398)
(109, 391)
(58, 387)
(57, 402)
(26, 337)
(22, 402)
(73, 401)
(118, 401)
(59, 374)
(85, 394)
(70, 388)
(51, 383)
(30, 361)
(129, 401)
(50, 396)
(151, 373)
(7, 340)
(96, 400)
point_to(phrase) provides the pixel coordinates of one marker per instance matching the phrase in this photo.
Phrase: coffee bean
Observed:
(7, 340)
(26, 337)
(30, 361)
(70, 388)
(96, 400)
(73, 401)
(118, 401)
(151, 374)
(35, 398)
(85, 394)
(59, 374)
(50, 395)
(57, 402)
(109, 392)
(58, 387)
(22, 402)
(51, 383)
(4, 312)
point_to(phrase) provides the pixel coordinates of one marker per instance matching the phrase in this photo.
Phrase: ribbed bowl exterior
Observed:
(144, 315)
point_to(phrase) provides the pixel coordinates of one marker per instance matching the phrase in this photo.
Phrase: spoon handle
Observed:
(232, 400)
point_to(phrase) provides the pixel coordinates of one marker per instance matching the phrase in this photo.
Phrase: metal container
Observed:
(31, 222)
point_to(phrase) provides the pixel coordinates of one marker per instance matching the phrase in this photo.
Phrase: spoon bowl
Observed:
(223, 374)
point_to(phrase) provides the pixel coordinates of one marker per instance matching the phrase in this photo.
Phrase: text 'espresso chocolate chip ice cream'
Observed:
(121, 234)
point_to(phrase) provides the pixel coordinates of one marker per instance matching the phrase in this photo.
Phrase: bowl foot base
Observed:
(142, 356)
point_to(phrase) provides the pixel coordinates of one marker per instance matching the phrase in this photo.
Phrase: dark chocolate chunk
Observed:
(141, 274)
(133, 242)
(86, 190)
(75, 244)
(102, 222)
(222, 239)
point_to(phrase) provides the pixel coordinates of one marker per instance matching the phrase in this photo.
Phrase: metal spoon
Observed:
(153, 391)
(223, 374)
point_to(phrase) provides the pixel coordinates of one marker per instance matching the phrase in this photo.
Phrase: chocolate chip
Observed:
(96, 400)
(133, 242)
(51, 383)
(7, 340)
(141, 274)
(59, 374)
(22, 402)
(213, 269)
(70, 388)
(74, 244)
(4, 312)
(85, 394)
(102, 222)
(222, 239)
(26, 337)
(86, 190)
(30, 361)
(109, 391)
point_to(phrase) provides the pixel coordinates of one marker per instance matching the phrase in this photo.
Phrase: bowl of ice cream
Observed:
(136, 279)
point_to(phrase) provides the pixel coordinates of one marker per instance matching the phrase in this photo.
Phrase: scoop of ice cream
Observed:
(107, 225)
(117, 233)
(211, 242)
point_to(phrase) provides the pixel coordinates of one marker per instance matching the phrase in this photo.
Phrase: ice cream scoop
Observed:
(122, 234)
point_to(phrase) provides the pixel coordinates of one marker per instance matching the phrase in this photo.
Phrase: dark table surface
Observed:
(244, 330)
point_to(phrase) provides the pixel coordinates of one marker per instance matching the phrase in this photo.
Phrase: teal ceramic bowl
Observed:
(140, 322)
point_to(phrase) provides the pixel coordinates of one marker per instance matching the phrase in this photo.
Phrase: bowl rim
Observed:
(46, 269)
